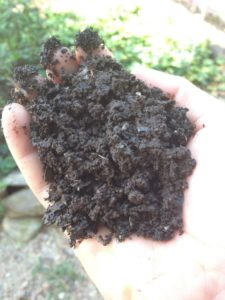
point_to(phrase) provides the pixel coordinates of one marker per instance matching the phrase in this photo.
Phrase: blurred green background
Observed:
(25, 25)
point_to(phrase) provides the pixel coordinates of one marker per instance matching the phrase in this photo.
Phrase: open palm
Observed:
(192, 265)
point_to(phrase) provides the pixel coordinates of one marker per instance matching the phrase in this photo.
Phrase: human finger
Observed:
(57, 60)
(28, 82)
(88, 42)
(15, 123)
(102, 50)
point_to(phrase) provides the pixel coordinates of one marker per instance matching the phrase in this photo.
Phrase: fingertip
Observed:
(80, 55)
(15, 124)
(141, 72)
(166, 82)
(138, 69)
(14, 113)
(102, 50)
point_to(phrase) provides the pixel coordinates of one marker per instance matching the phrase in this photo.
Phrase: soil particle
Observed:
(48, 50)
(88, 40)
(64, 50)
(24, 74)
(114, 151)
(25, 129)
(27, 82)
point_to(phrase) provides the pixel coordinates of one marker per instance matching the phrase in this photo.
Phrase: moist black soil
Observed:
(49, 48)
(25, 82)
(24, 74)
(114, 153)
(88, 40)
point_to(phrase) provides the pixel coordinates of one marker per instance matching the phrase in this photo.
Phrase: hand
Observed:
(192, 265)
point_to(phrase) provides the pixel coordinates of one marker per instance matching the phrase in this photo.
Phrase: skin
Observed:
(30, 94)
(102, 50)
(192, 265)
(68, 62)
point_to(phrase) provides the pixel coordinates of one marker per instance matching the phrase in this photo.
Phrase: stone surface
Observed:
(44, 268)
(15, 179)
(23, 204)
(21, 230)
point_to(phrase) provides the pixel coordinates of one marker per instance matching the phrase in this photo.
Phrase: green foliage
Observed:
(129, 49)
(7, 163)
(23, 29)
(62, 25)
(204, 71)
(194, 62)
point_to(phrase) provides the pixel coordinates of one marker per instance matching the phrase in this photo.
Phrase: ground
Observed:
(43, 269)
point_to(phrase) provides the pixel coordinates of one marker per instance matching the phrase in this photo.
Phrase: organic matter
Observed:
(113, 150)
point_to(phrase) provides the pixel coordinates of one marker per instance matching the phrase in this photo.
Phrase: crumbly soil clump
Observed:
(88, 40)
(47, 54)
(114, 153)
(23, 75)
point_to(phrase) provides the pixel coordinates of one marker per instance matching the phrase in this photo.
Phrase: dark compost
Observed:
(113, 150)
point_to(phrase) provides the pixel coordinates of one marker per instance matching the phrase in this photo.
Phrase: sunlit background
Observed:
(183, 37)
